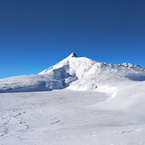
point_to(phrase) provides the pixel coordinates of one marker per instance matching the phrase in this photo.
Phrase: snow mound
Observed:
(29, 83)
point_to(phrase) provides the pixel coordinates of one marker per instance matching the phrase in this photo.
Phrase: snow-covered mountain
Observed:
(106, 108)
(77, 73)
(132, 66)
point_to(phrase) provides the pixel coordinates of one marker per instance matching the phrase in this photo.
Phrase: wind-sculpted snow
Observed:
(30, 83)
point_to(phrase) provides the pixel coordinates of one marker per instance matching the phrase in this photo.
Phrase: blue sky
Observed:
(36, 34)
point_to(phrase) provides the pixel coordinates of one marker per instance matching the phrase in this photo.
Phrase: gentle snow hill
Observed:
(81, 73)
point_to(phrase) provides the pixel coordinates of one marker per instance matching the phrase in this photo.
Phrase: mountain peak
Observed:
(72, 55)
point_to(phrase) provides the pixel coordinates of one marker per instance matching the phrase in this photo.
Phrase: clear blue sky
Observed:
(36, 34)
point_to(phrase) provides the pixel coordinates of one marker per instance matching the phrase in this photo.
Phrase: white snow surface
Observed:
(78, 101)
(83, 74)
(64, 117)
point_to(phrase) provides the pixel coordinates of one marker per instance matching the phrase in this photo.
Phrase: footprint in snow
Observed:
(54, 121)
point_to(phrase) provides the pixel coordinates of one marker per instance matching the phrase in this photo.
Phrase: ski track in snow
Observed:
(66, 117)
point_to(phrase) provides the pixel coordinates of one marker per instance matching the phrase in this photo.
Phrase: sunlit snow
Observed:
(78, 101)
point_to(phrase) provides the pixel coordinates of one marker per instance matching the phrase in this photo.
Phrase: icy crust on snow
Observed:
(77, 73)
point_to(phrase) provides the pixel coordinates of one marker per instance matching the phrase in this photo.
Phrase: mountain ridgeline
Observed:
(76, 73)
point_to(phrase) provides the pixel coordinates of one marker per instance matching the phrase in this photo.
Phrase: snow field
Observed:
(66, 117)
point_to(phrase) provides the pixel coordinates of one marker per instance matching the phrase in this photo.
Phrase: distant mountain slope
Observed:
(132, 66)
(77, 73)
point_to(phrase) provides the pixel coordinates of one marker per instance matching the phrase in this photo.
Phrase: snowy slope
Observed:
(96, 104)
(77, 73)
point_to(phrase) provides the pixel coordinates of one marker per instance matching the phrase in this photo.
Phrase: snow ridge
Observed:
(129, 65)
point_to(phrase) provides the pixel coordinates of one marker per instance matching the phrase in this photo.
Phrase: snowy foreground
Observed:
(67, 118)
(78, 101)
